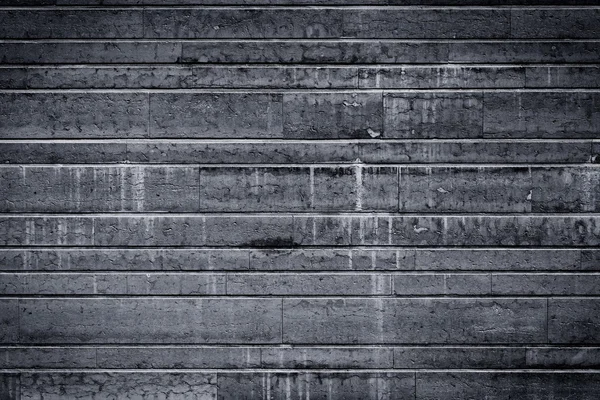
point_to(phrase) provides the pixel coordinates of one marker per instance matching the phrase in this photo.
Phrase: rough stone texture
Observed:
(55, 321)
(381, 321)
(110, 385)
(321, 385)
(433, 115)
(299, 199)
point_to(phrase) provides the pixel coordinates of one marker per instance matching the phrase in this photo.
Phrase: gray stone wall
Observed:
(300, 199)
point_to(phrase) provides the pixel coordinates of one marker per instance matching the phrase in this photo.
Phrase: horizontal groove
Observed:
(507, 40)
(355, 163)
(338, 272)
(242, 141)
(293, 7)
(483, 296)
(224, 65)
(283, 346)
(298, 370)
(333, 248)
(295, 90)
(298, 297)
(303, 214)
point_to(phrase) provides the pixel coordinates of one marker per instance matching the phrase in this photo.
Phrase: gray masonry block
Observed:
(541, 114)
(186, 357)
(252, 152)
(110, 385)
(123, 259)
(332, 115)
(573, 321)
(560, 23)
(574, 189)
(217, 115)
(565, 76)
(409, 77)
(318, 385)
(327, 357)
(154, 320)
(442, 284)
(524, 51)
(255, 189)
(80, 189)
(501, 259)
(506, 385)
(187, 284)
(9, 320)
(413, 115)
(458, 357)
(10, 386)
(309, 284)
(315, 52)
(260, 23)
(546, 284)
(73, 115)
(43, 152)
(465, 189)
(418, 321)
(93, 52)
(433, 23)
(73, 23)
(563, 357)
(475, 151)
(47, 357)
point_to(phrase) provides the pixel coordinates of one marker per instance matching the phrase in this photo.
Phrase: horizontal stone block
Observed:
(475, 152)
(135, 320)
(560, 23)
(50, 231)
(448, 230)
(218, 115)
(327, 357)
(442, 284)
(254, 23)
(467, 189)
(574, 321)
(43, 152)
(250, 152)
(563, 77)
(503, 385)
(449, 321)
(73, 115)
(523, 51)
(93, 52)
(309, 284)
(160, 284)
(316, 52)
(110, 385)
(318, 385)
(563, 357)
(541, 114)
(243, 231)
(460, 357)
(176, 77)
(354, 188)
(47, 357)
(546, 284)
(46, 284)
(74, 23)
(178, 357)
(80, 189)
(255, 189)
(433, 115)
(573, 189)
(332, 115)
(501, 259)
(426, 23)
(127, 259)
(460, 77)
